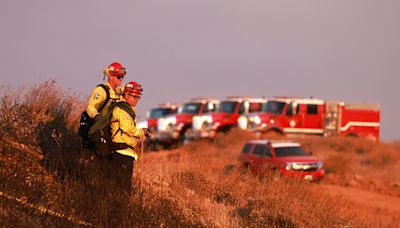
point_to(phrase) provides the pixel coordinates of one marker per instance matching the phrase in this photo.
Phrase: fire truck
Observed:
(157, 112)
(172, 128)
(301, 116)
(226, 117)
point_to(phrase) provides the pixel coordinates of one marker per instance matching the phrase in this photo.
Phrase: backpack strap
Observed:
(127, 108)
(107, 89)
(103, 122)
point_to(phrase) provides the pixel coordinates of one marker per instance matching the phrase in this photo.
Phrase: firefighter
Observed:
(124, 130)
(101, 99)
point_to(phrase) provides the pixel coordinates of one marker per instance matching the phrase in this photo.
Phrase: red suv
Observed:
(288, 158)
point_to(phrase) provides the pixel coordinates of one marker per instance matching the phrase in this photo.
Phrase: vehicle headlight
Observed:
(164, 123)
(160, 124)
(255, 120)
(200, 122)
(242, 122)
(290, 165)
(172, 120)
(206, 121)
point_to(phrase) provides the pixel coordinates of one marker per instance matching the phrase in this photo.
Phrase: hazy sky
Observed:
(178, 49)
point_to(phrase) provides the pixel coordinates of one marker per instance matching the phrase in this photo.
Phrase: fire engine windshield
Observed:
(227, 106)
(275, 107)
(159, 112)
(290, 151)
(190, 108)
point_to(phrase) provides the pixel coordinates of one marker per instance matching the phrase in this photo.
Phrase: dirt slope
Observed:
(360, 183)
(203, 184)
(365, 199)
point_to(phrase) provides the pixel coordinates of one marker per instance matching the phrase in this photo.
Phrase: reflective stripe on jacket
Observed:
(99, 96)
(124, 130)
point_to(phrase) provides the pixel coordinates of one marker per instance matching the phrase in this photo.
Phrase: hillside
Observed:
(44, 179)
(203, 185)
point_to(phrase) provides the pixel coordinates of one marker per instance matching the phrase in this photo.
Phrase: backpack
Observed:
(86, 121)
(100, 132)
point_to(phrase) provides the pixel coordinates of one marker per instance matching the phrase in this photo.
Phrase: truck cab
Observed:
(286, 115)
(172, 128)
(156, 113)
(224, 118)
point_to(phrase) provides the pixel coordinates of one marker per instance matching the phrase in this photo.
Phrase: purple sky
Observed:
(178, 49)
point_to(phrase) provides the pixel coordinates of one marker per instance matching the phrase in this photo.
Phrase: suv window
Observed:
(290, 151)
(267, 151)
(246, 148)
(260, 150)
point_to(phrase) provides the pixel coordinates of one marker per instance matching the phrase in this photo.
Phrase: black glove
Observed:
(147, 132)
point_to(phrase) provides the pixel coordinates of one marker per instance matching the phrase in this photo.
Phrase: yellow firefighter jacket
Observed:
(124, 130)
(99, 96)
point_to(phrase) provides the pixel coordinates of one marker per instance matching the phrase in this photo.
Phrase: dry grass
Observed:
(42, 166)
(359, 163)
(208, 178)
(201, 184)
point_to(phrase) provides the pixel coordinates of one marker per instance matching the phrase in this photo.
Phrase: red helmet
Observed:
(133, 88)
(115, 69)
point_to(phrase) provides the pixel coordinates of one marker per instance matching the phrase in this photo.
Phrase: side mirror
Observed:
(310, 152)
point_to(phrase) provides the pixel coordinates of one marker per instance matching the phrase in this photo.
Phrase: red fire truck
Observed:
(289, 116)
(225, 117)
(172, 128)
(155, 113)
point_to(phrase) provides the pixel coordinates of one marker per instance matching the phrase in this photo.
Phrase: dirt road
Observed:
(369, 203)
